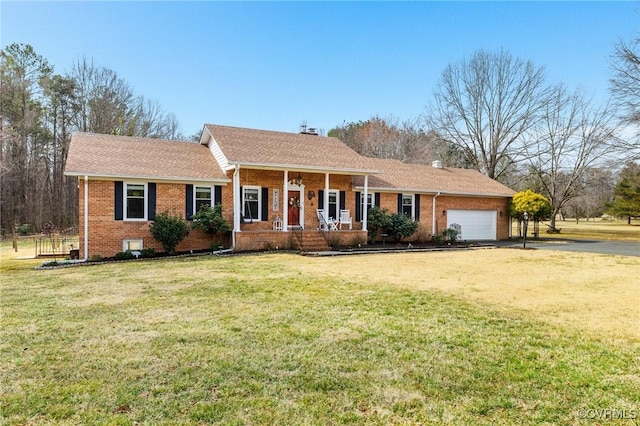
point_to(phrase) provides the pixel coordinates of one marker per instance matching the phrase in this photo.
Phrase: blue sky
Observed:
(273, 65)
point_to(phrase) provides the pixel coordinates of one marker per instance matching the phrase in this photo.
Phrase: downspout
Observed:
(365, 205)
(433, 214)
(86, 218)
(236, 205)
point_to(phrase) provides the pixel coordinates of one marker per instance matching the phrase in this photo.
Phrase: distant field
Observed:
(592, 230)
(488, 337)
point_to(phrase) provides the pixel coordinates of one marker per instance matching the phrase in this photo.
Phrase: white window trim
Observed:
(338, 206)
(364, 200)
(126, 199)
(259, 189)
(195, 196)
(413, 204)
(125, 244)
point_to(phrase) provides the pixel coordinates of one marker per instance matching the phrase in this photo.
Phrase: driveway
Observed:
(623, 248)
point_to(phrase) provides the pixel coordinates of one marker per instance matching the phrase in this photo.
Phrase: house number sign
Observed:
(276, 200)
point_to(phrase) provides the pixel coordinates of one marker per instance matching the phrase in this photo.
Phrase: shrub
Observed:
(451, 234)
(148, 252)
(424, 236)
(358, 241)
(377, 219)
(24, 229)
(209, 219)
(169, 231)
(335, 241)
(124, 255)
(401, 226)
(96, 258)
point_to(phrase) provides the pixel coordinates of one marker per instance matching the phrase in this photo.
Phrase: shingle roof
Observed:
(293, 150)
(422, 178)
(122, 156)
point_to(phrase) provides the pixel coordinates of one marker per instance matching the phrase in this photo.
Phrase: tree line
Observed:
(499, 114)
(39, 110)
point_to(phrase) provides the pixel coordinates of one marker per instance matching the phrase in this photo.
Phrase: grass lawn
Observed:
(494, 336)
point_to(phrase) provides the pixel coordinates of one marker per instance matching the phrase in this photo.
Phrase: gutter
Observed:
(86, 218)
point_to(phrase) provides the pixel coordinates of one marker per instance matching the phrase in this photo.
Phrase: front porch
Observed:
(298, 239)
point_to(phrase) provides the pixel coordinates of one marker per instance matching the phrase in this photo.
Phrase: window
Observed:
(131, 245)
(334, 204)
(370, 201)
(407, 205)
(202, 197)
(251, 203)
(135, 205)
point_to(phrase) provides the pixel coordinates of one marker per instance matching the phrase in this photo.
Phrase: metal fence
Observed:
(57, 245)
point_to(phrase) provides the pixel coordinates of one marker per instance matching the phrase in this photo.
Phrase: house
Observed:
(276, 189)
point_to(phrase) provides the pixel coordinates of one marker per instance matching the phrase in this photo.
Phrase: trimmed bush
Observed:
(401, 226)
(169, 231)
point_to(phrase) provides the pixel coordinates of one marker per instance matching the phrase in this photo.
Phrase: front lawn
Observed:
(283, 339)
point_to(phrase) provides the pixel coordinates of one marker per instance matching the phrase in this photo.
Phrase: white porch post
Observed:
(365, 205)
(236, 203)
(326, 197)
(285, 202)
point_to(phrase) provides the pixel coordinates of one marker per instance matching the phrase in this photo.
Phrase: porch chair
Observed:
(326, 225)
(345, 218)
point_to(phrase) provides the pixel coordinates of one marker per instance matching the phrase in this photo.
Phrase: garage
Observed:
(474, 224)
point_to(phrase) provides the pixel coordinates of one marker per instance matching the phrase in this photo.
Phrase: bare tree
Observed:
(572, 137)
(485, 106)
(389, 138)
(625, 88)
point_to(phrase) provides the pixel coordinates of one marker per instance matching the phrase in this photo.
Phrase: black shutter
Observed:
(188, 202)
(118, 204)
(321, 199)
(217, 195)
(241, 202)
(417, 207)
(377, 199)
(343, 200)
(151, 208)
(399, 203)
(265, 203)
(358, 207)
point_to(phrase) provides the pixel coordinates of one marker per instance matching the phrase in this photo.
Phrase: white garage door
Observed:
(475, 224)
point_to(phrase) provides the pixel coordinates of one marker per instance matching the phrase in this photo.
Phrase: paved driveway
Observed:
(624, 248)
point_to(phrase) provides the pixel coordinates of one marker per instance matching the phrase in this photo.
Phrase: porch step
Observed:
(314, 241)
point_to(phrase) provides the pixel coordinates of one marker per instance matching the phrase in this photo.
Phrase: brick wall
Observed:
(389, 201)
(106, 234)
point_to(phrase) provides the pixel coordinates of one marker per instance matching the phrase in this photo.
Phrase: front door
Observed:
(293, 201)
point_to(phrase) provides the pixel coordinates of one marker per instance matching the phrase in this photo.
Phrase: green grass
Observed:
(252, 340)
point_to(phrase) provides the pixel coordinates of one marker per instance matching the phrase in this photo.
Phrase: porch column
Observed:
(236, 203)
(326, 197)
(285, 202)
(365, 206)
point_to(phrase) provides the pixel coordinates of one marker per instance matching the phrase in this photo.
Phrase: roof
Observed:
(94, 154)
(270, 149)
(399, 176)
